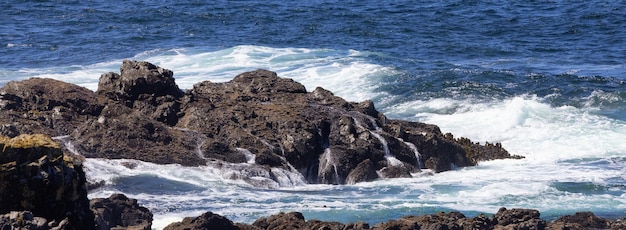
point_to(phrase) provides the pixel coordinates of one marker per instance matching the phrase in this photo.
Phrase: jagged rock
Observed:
(45, 106)
(580, 220)
(295, 220)
(122, 133)
(503, 219)
(36, 176)
(119, 211)
(257, 117)
(519, 219)
(207, 220)
(364, 171)
(144, 87)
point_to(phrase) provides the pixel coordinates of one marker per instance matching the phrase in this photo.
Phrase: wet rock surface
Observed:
(41, 187)
(257, 117)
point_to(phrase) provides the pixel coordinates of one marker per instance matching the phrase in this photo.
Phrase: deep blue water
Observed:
(571, 48)
(546, 78)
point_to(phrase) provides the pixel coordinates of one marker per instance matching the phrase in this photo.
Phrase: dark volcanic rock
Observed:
(295, 220)
(122, 133)
(519, 219)
(144, 87)
(45, 106)
(580, 220)
(259, 123)
(120, 211)
(205, 221)
(35, 176)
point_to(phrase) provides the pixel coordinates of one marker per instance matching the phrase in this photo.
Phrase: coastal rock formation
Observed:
(264, 125)
(521, 219)
(45, 106)
(36, 176)
(119, 211)
(43, 188)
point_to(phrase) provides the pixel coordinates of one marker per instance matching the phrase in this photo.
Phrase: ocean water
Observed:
(544, 78)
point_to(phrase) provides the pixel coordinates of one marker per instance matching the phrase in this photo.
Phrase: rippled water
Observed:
(545, 78)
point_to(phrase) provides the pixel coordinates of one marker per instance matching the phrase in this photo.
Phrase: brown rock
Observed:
(142, 114)
(118, 211)
(580, 220)
(144, 87)
(36, 176)
(518, 219)
(45, 106)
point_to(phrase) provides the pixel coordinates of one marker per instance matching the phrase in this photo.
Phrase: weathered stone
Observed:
(122, 133)
(519, 219)
(118, 211)
(580, 220)
(144, 87)
(207, 220)
(256, 117)
(46, 106)
(281, 221)
(36, 176)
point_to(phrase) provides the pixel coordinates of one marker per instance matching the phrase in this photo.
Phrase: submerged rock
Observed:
(257, 120)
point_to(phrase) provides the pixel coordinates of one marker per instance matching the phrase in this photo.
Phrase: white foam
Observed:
(346, 73)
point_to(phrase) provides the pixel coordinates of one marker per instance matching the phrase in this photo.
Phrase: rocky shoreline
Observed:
(287, 134)
(43, 188)
(271, 131)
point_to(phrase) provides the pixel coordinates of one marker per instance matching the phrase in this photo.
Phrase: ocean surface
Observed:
(544, 78)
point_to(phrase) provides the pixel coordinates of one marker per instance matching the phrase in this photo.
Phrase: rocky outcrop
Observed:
(43, 188)
(207, 220)
(257, 122)
(45, 106)
(119, 211)
(36, 176)
(519, 219)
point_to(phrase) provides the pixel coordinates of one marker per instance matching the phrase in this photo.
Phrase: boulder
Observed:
(519, 219)
(119, 211)
(295, 220)
(36, 176)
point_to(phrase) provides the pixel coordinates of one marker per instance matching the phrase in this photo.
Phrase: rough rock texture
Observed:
(119, 211)
(26, 220)
(583, 220)
(272, 126)
(504, 219)
(45, 106)
(144, 87)
(35, 176)
(120, 132)
(207, 220)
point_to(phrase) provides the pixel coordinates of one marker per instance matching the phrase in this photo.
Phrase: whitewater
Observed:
(575, 155)
(547, 79)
